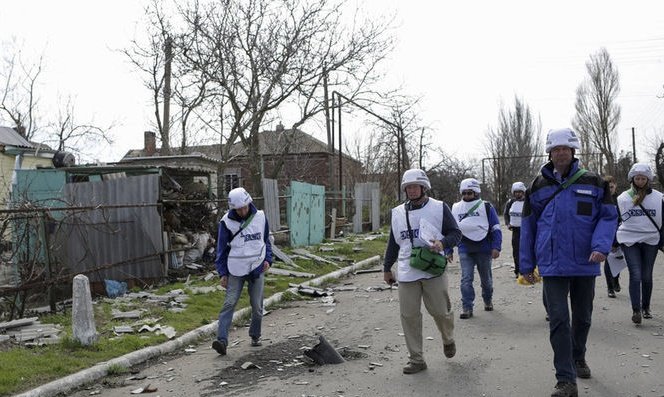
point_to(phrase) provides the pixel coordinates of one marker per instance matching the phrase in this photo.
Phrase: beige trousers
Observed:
(436, 299)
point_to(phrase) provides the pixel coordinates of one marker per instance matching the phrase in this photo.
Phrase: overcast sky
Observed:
(463, 58)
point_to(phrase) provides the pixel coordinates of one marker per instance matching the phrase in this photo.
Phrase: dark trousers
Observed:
(569, 340)
(611, 281)
(640, 259)
(516, 235)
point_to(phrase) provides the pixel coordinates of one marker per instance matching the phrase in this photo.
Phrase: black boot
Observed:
(636, 317)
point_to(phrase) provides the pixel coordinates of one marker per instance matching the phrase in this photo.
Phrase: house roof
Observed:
(9, 137)
(269, 142)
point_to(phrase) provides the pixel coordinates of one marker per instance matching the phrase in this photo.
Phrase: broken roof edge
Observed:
(169, 157)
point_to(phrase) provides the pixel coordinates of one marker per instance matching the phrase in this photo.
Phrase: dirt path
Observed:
(501, 353)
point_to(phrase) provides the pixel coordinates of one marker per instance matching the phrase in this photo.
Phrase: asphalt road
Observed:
(501, 353)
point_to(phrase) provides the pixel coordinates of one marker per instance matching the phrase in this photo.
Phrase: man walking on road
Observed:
(481, 242)
(567, 230)
(244, 254)
(417, 285)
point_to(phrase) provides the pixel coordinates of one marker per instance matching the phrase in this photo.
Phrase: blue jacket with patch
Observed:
(559, 236)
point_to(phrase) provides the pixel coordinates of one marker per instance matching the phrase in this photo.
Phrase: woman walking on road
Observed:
(640, 234)
(612, 283)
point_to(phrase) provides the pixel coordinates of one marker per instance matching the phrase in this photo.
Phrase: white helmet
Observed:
(415, 176)
(640, 169)
(518, 187)
(238, 198)
(470, 184)
(562, 137)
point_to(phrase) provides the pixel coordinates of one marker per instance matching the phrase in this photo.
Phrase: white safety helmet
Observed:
(562, 137)
(238, 198)
(470, 184)
(640, 169)
(415, 176)
(518, 187)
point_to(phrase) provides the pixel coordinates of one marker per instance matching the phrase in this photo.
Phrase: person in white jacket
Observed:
(640, 235)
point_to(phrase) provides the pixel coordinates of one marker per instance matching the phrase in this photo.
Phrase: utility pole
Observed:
(340, 153)
(398, 163)
(165, 133)
(633, 146)
(421, 151)
(330, 138)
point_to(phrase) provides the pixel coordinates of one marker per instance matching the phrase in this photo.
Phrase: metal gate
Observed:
(306, 214)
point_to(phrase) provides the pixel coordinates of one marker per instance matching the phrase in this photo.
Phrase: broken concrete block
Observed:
(123, 329)
(305, 253)
(117, 314)
(168, 331)
(17, 323)
(284, 257)
(147, 389)
(83, 321)
(291, 273)
(249, 365)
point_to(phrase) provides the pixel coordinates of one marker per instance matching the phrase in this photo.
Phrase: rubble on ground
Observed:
(29, 332)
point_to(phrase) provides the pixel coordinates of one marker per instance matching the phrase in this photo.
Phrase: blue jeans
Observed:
(569, 342)
(468, 262)
(640, 259)
(233, 292)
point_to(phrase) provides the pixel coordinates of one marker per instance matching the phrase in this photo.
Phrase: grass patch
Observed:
(117, 369)
(25, 368)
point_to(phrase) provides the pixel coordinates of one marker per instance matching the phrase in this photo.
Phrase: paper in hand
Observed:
(429, 232)
(616, 262)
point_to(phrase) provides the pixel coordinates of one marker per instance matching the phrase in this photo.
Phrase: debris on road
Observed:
(30, 332)
(290, 273)
(249, 365)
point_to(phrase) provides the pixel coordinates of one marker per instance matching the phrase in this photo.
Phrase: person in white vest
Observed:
(640, 234)
(481, 242)
(244, 254)
(419, 211)
(512, 214)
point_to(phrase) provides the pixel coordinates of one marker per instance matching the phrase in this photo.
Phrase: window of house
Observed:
(231, 181)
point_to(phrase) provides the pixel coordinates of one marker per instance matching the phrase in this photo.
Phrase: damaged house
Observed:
(121, 222)
(284, 155)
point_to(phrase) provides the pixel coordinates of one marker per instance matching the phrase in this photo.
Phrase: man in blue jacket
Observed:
(244, 254)
(567, 230)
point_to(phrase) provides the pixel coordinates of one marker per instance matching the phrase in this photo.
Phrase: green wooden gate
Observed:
(306, 214)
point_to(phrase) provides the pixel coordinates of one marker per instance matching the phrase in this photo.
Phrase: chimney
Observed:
(280, 127)
(150, 145)
(21, 130)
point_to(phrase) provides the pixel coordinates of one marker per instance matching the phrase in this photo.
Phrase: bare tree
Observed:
(19, 105)
(399, 142)
(264, 55)
(67, 134)
(597, 113)
(18, 89)
(447, 175)
(149, 58)
(513, 150)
